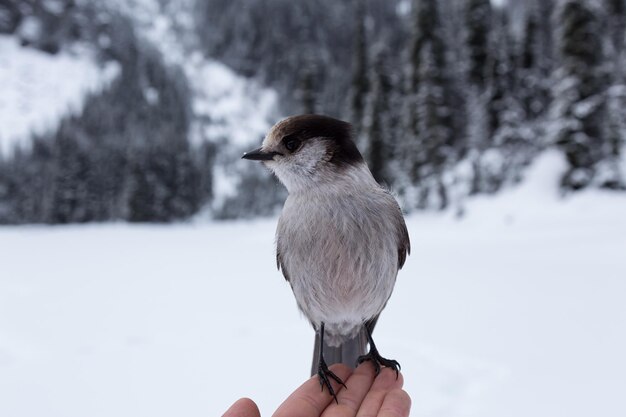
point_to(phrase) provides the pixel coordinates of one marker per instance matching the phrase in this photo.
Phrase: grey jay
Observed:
(340, 241)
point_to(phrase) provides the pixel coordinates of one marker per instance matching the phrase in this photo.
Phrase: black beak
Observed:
(259, 155)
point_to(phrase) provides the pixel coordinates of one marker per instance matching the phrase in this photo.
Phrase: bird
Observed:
(341, 238)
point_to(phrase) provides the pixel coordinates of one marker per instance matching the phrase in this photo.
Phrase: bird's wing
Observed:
(281, 231)
(404, 244)
(402, 234)
(281, 265)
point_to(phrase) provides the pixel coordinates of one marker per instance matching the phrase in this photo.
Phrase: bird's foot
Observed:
(324, 374)
(378, 360)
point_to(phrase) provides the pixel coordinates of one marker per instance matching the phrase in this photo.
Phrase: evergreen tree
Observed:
(544, 57)
(360, 83)
(528, 69)
(427, 30)
(31, 182)
(6, 196)
(533, 68)
(10, 16)
(616, 13)
(380, 123)
(428, 95)
(187, 196)
(434, 132)
(204, 160)
(306, 90)
(513, 134)
(611, 173)
(503, 71)
(616, 16)
(70, 190)
(579, 105)
(478, 24)
(543, 10)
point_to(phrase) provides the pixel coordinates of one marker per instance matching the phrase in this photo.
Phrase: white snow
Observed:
(231, 111)
(515, 310)
(229, 108)
(239, 110)
(37, 88)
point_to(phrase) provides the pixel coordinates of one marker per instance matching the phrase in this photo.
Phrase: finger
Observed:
(397, 403)
(309, 400)
(243, 407)
(349, 400)
(384, 382)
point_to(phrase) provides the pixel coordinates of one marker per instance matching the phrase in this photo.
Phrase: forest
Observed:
(449, 99)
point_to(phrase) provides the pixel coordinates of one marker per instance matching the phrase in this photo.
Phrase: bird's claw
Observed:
(324, 374)
(378, 360)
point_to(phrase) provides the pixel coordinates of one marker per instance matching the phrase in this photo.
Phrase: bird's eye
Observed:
(291, 143)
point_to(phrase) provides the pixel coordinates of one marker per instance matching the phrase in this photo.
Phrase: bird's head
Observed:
(307, 150)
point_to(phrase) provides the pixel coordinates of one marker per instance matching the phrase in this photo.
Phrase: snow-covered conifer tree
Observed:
(360, 83)
(478, 26)
(579, 106)
(380, 123)
(429, 115)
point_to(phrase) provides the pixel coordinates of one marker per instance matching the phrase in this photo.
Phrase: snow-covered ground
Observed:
(37, 89)
(516, 310)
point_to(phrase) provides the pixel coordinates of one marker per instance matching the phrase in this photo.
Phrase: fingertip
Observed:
(249, 403)
(401, 396)
(243, 407)
(388, 378)
(397, 403)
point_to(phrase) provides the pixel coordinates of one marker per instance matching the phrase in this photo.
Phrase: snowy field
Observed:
(516, 310)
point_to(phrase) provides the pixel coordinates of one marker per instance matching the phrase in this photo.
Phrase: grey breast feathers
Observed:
(401, 232)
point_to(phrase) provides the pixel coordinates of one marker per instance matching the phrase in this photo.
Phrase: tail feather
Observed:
(347, 353)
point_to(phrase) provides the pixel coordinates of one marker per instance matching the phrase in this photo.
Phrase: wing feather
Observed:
(404, 243)
(281, 265)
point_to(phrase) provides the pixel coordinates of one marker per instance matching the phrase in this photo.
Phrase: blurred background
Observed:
(137, 110)
(499, 125)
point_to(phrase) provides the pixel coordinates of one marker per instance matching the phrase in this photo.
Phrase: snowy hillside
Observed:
(167, 98)
(39, 88)
(515, 311)
(230, 109)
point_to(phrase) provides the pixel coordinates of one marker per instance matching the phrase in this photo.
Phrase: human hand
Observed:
(366, 395)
